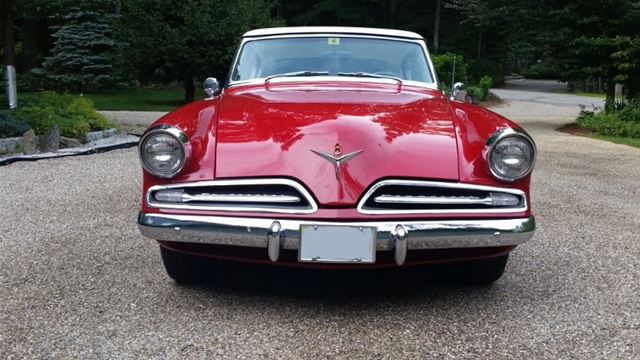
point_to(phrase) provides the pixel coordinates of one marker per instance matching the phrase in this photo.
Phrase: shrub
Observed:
(486, 67)
(76, 116)
(11, 125)
(443, 64)
(630, 111)
(481, 91)
(625, 123)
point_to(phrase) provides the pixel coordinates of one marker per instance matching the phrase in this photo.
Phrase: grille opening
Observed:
(431, 197)
(239, 197)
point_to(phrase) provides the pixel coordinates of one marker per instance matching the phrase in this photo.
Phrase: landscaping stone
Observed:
(50, 140)
(9, 145)
(29, 143)
(97, 135)
(94, 136)
(66, 143)
(110, 132)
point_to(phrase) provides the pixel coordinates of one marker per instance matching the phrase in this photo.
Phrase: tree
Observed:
(188, 39)
(596, 39)
(82, 55)
(8, 33)
(436, 26)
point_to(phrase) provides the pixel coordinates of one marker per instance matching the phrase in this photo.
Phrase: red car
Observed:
(332, 147)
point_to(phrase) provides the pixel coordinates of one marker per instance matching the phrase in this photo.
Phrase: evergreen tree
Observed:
(82, 53)
(187, 40)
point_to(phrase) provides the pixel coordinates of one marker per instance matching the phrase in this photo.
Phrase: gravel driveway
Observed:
(77, 280)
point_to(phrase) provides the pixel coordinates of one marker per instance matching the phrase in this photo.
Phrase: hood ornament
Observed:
(337, 159)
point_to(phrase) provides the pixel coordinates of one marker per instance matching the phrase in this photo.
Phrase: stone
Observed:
(110, 132)
(94, 136)
(29, 142)
(50, 140)
(9, 145)
(66, 142)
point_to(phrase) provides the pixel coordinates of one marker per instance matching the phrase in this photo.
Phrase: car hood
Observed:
(277, 130)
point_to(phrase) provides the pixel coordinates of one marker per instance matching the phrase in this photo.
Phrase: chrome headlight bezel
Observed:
(499, 136)
(178, 135)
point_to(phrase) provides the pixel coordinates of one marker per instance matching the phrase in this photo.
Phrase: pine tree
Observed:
(83, 50)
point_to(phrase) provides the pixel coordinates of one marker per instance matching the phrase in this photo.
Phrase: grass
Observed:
(134, 100)
(635, 142)
(576, 129)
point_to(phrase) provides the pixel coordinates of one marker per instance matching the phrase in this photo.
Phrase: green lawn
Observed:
(618, 140)
(134, 100)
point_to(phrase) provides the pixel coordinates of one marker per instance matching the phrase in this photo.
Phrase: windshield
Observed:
(332, 56)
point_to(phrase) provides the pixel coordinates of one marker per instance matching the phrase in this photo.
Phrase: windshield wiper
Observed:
(296, 73)
(370, 75)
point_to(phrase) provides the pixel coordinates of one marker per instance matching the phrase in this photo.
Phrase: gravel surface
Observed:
(77, 280)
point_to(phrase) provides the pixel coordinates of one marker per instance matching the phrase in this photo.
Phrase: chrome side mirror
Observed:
(458, 92)
(211, 86)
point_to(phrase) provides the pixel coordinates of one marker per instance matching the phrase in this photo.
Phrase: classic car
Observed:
(332, 148)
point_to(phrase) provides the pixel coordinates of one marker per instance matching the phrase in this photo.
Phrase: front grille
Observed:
(260, 195)
(408, 196)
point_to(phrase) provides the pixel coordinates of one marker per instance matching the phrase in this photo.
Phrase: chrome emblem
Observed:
(337, 159)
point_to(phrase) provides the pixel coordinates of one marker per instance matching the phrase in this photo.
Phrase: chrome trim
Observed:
(211, 87)
(433, 200)
(400, 235)
(495, 138)
(337, 161)
(273, 246)
(437, 184)
(260, 232)
(241, 198)
(212, 183)
(182, 138)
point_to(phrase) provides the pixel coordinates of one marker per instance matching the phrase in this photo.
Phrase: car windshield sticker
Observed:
(333, 41)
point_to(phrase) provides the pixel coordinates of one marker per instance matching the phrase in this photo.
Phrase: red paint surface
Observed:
(269, 131)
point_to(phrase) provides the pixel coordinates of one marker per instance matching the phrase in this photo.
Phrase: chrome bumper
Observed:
(275, 234)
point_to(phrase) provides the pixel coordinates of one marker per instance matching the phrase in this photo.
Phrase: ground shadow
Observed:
(371, 285)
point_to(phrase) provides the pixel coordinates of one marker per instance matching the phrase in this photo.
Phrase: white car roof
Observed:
(295, 30)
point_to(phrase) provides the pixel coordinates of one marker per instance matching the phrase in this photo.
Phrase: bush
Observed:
(11, 125)
(486, 67)
(481, 91)
(76, 116)
(629, 111)
(443, 64)
(624, 122)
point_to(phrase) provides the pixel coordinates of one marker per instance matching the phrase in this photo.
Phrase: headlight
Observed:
(162, 151)
(511, 154)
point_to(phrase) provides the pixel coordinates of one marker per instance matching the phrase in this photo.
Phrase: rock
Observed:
(9, 145)
(94, 136)
(66, 142)
(50, 140)
(29, 143)
(110, 132)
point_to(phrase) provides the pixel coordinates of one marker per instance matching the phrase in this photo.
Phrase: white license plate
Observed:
(337, 244)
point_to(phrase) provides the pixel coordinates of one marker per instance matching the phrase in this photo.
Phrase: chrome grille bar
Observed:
(241, 198)
(433, 200)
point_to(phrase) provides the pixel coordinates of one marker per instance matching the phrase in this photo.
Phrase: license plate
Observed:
(337, 244)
